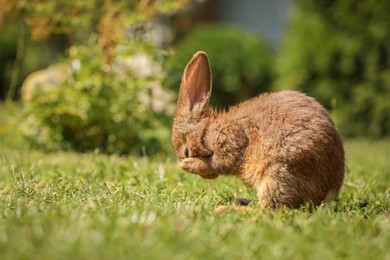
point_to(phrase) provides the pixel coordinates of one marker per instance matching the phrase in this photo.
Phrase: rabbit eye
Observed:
(186, 153)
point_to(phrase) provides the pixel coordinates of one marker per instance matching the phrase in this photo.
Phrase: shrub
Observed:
(241, 62)
(107, 94)
(100, 106)
(339, 52)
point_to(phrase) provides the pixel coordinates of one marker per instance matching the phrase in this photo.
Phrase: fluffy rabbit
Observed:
(283, 144)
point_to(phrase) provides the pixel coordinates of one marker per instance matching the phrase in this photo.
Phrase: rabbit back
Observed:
(294, 153)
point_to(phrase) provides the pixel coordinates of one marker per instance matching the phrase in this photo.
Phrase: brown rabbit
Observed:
(283, 144)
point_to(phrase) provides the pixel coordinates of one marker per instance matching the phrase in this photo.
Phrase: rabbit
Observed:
(282, 144)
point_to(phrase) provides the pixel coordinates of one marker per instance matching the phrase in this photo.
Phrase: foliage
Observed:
(115, 207)
(98, 106)
(74, 17)
(102, 99)
(338, 51)
(241, 62)
(56, 26)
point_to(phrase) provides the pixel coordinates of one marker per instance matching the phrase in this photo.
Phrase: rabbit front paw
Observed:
(198, 166)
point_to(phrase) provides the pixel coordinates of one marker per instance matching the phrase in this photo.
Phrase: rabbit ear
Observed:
(195, 88)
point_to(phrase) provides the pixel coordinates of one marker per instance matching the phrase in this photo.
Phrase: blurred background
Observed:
(103, 75)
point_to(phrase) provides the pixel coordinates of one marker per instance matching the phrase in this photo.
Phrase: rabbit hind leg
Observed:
(274, 192)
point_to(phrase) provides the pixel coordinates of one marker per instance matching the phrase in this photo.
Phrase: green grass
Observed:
(90, 206)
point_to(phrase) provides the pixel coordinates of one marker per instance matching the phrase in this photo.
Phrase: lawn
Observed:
(67, 205)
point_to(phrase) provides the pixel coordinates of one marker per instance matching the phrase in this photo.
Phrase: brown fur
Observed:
(283, 144)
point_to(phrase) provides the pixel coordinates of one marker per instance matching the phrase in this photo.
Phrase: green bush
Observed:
(339, 52)
(241, 62)
(100, 106)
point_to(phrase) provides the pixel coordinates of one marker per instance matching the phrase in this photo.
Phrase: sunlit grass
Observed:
(68, 205)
